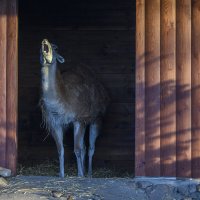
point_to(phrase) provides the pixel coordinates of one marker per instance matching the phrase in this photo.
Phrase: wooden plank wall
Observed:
(168, 84)
(8, 84)
(183, 77)
(3, 22)
(152, 86)
(170, 136)
(12, 86)
(103, 39)
(140, 88)
(195, 88)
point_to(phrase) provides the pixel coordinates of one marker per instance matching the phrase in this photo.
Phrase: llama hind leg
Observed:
(58, 137)
(93, 134)
(79, 147)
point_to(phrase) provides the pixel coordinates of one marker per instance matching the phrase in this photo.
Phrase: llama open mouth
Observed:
(46, 48)
(47, 51)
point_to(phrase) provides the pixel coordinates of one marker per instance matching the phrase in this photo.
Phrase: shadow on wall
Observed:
(168, 138)
(6, 140)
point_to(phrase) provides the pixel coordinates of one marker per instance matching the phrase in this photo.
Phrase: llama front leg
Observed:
(94, 132)
(58, 137)
(79, 147)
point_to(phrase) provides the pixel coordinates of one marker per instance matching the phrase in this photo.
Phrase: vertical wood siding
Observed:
(173, 73)
(195, 88)
(8, 84)
(3, 20)
(152, 86)
(140, 89)
(183, 80)
(168, 88)
(12, 86)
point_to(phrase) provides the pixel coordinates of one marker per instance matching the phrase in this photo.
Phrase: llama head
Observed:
(48, 53)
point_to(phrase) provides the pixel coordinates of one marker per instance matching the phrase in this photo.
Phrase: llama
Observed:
(73, 97)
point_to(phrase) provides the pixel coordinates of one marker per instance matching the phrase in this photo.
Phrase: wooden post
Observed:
(3, 83)
(168, 88)
(152, 87)
(195, 89)
(12, 89)
(183, 76)
(140, 90)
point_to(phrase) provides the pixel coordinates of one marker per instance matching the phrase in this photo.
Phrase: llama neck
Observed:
(50, 82)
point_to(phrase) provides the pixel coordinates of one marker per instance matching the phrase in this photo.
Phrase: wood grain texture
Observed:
(183, 76)
(152, 87)
(3, 20)
(168, 88)
(140, 90)
(12, 85)
(195, 89)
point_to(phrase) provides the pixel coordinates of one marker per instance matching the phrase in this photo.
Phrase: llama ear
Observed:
(60, 58)
(54, 46)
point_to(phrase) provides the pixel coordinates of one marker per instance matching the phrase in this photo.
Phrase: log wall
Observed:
(167, 88)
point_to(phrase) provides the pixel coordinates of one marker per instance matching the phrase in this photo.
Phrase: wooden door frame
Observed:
(8, 83)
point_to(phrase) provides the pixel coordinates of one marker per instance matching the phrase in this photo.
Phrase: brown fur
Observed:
(74, 96)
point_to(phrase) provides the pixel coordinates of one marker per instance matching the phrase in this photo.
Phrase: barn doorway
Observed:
(98, 34)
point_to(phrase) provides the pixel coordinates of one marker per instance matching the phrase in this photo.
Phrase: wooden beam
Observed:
(12, 89)
(3, 83)
(140, 90)
(183, 75)
(168, 88)
(195, 89)
(152, 87)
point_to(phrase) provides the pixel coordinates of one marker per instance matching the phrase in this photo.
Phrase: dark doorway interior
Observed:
(99, 34)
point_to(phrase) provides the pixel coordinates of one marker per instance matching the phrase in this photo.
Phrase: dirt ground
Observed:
(43, 187)
(73, 188)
